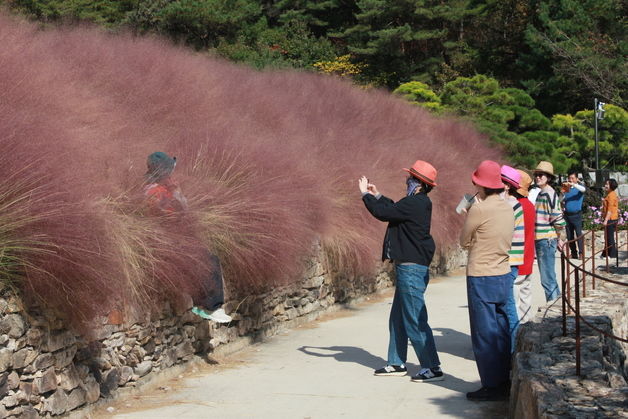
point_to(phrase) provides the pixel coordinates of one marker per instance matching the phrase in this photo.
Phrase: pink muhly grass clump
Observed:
(269, 163)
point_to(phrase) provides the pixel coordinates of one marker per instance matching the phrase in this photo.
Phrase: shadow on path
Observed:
(365, 358)
(454, 342)
(345, 354)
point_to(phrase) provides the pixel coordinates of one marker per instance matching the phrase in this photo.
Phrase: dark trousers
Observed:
(490, 335)
(574, 229)
(213, 295)
(609, 239)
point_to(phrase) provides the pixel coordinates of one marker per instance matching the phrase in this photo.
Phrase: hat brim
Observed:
(511, 182)
(421, 177)
(523, 192)
(476, 180)
(552, 175)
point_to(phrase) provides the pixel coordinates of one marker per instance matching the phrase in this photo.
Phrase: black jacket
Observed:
(408, 236)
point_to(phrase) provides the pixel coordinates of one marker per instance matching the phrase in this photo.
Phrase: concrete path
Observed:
(326, 371)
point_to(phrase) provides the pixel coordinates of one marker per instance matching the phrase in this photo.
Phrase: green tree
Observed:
(105, 12)
(509, 117)
(419, 94)
(581, 47)
(411, 39)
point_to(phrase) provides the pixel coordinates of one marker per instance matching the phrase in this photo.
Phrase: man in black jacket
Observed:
(410, 246)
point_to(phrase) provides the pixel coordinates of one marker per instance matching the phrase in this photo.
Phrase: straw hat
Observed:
(545, 167)
(488, 175)
(525, 183)
(511, 176)
(423, 171)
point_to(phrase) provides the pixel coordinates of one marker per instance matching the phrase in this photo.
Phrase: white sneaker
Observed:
(219, 316)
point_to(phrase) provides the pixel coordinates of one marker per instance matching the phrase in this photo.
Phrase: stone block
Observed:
(64, 357)
(92, 390)
(34, 337)
(69, 378)
(3, 412)
(42, 361)
(184, 349)
(201, 332)
(56, 341)
(6, 359)
(169, 357)
(143, 368)
(4, 384)
(13, 325)
(314, 282)
(15, 344)
(115, 340)
(110, 380)
(26, 393)
(126, 373)
(104, 331)
(13, 380)
(29, 412)
(75, 399)
(47, 382)
(24, 357)
(10, 400)
(57, 403)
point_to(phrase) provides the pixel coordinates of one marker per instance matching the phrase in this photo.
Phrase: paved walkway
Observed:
(325, 371)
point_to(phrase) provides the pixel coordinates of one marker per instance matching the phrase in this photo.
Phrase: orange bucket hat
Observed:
(525, 183)
(423, 171)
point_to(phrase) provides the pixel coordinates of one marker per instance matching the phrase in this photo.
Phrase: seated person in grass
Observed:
(164, 196)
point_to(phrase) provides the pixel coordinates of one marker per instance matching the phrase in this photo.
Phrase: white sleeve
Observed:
(579, 187)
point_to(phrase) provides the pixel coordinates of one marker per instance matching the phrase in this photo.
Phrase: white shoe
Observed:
(219, 316)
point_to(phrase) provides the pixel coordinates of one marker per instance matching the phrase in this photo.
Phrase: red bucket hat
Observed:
(423, 171)
(488, 174)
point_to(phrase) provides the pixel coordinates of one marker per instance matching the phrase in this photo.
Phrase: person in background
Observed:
(409, 244)
(522, 290)
(511, 178)
(533, 192)
(572, 200)
(549, 229)
(164, 198)
(487, 234)
(610, 216)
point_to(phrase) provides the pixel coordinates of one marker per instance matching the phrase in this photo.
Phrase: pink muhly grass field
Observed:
(269, 162)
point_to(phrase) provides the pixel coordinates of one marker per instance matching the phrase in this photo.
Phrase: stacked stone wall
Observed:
(545, 384)
(47, 370)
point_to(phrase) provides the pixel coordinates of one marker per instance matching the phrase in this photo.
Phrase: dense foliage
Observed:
(268, 161)
(560, 52)
(509, 117)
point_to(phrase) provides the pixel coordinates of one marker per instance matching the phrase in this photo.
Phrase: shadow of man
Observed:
(345, 354)
(453, 342)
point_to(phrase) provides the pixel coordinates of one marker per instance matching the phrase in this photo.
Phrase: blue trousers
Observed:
(511, 309)
(546, 258)
(490, 335)
(408, 318)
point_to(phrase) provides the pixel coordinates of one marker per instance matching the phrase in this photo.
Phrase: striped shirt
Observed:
(515, 254)
(548, 215)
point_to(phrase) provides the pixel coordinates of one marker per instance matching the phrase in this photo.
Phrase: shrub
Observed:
(269, 163)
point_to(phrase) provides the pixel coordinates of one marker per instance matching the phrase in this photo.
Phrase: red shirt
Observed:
(165, 197)
(529, 217)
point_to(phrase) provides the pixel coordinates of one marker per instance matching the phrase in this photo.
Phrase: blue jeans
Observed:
(546, 258)
(490, 335)
(574, 229)
(408, 318)
(511, 309)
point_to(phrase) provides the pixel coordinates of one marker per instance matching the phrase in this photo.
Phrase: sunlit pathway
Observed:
(325, 371)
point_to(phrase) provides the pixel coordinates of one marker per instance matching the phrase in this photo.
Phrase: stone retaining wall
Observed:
(46, 370)
(544, 382)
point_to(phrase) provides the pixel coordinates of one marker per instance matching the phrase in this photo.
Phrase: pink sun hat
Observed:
(511, 176)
